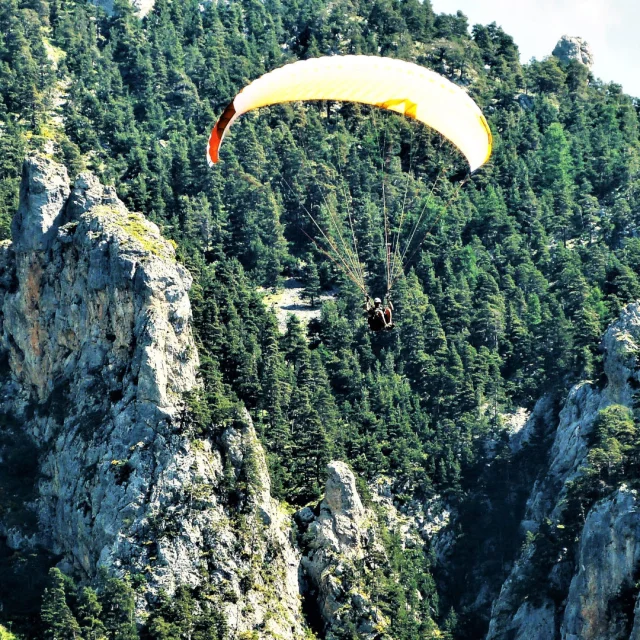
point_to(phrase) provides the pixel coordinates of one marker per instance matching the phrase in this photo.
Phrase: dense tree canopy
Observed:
(503, 302)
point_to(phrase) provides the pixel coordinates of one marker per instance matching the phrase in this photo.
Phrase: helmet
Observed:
(378, 301)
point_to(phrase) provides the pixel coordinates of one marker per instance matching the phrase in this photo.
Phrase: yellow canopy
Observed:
(400, 86)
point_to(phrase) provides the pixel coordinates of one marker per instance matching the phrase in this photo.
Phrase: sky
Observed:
(611, 27)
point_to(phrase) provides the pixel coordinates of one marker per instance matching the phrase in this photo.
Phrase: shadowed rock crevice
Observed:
(580, 585)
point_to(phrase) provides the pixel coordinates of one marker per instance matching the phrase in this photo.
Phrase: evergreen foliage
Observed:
(503, 302)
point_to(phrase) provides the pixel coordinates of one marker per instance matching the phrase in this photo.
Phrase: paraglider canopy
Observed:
(388, 83)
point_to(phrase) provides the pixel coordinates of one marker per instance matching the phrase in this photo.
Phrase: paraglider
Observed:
(379, 318)
(387, 83)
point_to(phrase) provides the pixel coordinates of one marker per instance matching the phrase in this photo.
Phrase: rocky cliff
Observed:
(337, 543)
(573, 48)
(585, 586)
(97, 356)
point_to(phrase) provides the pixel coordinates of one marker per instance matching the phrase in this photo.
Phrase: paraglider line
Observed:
(346, 268)
(416, 227)
(396, 250)
(326, 253)
(347, 198)
(354, 263)
(456, 193)
(384, 205)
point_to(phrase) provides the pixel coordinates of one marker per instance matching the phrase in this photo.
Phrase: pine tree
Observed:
(59, 621)
(488, 321)
(118, 609)
(556, 176)
(311, 290)
(276, 388)
(89, 614)
(310, 446)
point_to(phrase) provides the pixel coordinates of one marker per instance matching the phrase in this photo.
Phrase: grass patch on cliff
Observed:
(136, 227)
(139, 229)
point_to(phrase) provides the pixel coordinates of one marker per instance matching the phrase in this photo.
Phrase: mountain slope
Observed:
(503, 309)
(100, 362)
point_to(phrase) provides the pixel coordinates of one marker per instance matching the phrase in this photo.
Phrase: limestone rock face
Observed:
(600, 588)
(97, 355)
(43, 195)
(339, 537)
(416, 521)
(608, 562)
(341, 512)
(573, 48)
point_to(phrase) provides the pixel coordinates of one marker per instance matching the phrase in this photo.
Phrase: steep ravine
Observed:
(101, 468)
(584, 587)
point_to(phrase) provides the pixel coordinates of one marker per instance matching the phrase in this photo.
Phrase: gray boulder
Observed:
(573, 48)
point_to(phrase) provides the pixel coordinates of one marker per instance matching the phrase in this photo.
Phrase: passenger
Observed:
(379, 317)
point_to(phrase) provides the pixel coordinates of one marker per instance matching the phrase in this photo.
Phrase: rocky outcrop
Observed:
(259, 570)
(338, 539)
(604, 590)
(43, 198)
(415, 521)
(97, 358)
(600, 585)
(573, 48)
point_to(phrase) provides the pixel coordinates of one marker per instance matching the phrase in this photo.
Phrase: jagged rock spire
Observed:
(573, 48)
